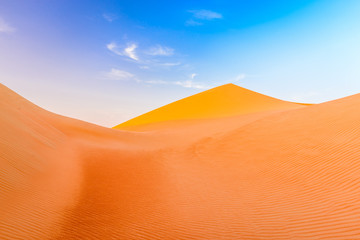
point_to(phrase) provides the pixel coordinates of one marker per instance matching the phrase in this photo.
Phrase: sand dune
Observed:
(224, 101)
(238, 165)
(38, 174)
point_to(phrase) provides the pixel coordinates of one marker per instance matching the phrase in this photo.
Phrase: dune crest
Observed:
(264, 169)
(223, 101)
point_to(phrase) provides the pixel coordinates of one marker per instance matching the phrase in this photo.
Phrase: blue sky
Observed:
(108, 61)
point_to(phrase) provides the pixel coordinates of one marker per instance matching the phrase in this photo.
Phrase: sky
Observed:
(106, 61)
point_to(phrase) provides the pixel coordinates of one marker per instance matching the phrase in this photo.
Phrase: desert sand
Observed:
(227, 163)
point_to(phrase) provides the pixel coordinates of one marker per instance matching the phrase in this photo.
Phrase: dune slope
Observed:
(38, 171)
(278, 174)
(223, 101)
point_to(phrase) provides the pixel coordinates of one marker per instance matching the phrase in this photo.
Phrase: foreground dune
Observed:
(265, 170)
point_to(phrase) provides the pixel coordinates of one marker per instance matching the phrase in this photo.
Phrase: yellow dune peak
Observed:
(223, 101)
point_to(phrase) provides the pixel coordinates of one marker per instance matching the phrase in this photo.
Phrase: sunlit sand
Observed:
(228, 163)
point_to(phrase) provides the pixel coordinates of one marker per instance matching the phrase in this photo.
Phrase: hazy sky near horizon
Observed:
(108, 61)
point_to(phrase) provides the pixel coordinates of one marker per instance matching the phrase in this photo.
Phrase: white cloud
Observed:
(129, 51)
(239, 77)
(117, 74)
(152, 64)
(170, 64)
(205, 14)
(5, 28)
(185, 84)
(113, 47)
(148, 58)
(160, 51)
(156, 82)
(110, 17)
(191, 84)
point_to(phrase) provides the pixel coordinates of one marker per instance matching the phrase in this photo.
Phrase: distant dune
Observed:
(224, 101)
(227, 163)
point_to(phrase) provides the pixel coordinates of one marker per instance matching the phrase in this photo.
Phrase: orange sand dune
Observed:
(224, 101)
(262, 173)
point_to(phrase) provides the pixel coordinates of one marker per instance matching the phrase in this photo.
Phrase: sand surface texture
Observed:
(227, 163)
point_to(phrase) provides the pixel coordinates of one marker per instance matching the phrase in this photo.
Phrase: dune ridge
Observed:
(223, 101)
(278, 171)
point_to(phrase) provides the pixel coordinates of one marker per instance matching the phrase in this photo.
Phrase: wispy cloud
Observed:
(185, 84)
(170, 64)
(151, 64)
(191, 84)
(129, 51)
(193, 75)
(146, 58)
(5, 28)
(239, 77)
(114, 48)
(159, 50)
(117, 74)
(156, 82)
(205, 14)
(110, 17)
